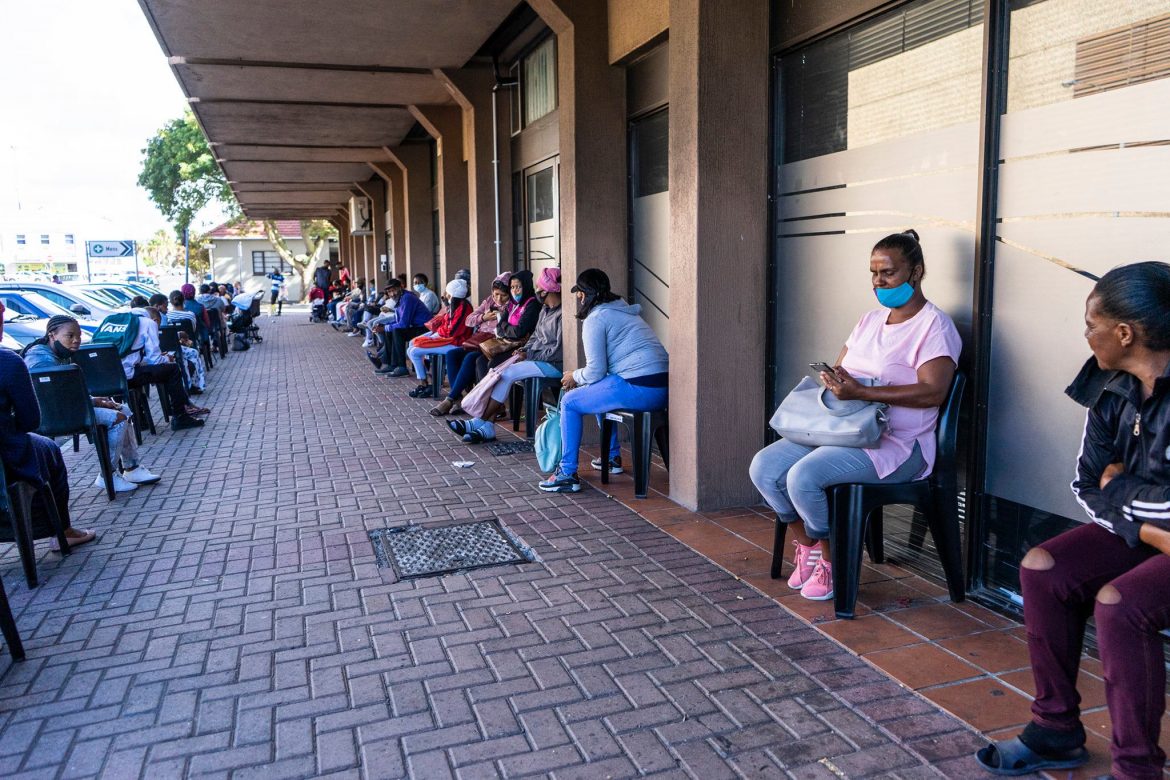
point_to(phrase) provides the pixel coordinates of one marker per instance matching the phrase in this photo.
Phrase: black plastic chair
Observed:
(8, 627)
(104, 376)
(855, 515)
(526, 394)
(66, 410)
(16, 511)
(645, 427)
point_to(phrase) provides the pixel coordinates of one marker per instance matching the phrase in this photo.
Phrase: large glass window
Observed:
(1085, 153)
(877, 131)
(265, 262)
(539, 81)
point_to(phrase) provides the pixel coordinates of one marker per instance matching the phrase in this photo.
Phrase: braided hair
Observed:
(55, 322)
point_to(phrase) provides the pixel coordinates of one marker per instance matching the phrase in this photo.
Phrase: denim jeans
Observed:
(522, 370)
(461, 371)
(792, 479)
(120, 437)
(416, 355)
(1058, 602)
(610, 393)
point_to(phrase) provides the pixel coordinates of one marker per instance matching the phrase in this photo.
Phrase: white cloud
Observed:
(85, 85)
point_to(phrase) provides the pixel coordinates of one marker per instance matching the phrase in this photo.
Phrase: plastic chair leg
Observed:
(515, 403)
(101, 443)
(8, 627)
(778, 548)
(641, 454)
(50, 501)
(23, 493)
(437, 366)
(662, 439)
(848, 517)
(918, 526)
(874, 537)
(944, 528)
(606, 433)
(532, 393)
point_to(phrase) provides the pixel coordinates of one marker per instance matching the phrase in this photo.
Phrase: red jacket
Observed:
(454, 323)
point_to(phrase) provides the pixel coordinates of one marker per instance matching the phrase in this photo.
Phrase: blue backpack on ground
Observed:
(548, 439)
(121, 330)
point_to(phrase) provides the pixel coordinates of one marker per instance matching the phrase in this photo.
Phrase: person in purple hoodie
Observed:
(410, 318)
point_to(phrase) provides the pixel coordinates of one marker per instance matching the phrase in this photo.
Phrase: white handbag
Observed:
(811, 415)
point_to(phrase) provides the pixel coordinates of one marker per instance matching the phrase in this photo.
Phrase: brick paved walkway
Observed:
(233, 621)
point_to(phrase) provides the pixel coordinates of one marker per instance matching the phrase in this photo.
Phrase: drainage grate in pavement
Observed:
(415, 551)
(509, 447)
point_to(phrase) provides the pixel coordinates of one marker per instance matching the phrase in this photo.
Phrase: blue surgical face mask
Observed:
(420, 288)
(893, 297)
(517, 297)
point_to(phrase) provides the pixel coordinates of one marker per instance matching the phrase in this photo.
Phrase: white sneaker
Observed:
(120, 485)
(140, 475)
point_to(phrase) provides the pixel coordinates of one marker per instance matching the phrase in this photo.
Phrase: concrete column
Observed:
(445, 125)
(472, 90)
(592, 118)
(375, 190)
(415, 162)
(718, 247)
(344, 242)
(395, 180)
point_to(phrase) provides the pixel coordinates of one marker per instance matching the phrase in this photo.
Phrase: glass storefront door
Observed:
(542, 216)
(876, 132)
(1084, 160)
(650, 220)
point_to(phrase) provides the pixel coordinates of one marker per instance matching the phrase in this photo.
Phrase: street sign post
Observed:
(110, 249)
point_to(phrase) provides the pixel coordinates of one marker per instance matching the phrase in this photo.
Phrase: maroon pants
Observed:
(1059, 601)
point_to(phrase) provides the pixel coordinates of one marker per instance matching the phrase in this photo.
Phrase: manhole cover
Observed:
(509, 447)
(415, 551)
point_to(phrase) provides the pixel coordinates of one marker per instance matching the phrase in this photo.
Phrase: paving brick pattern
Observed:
(232, 620)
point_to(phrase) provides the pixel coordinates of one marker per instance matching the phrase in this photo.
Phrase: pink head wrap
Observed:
(550, 280)
(188, 291)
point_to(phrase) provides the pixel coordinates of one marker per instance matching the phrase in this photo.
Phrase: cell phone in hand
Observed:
(825, 367)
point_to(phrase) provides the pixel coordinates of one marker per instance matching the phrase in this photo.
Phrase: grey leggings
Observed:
(792, 479)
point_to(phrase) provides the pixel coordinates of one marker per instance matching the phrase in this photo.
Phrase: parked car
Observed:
(77, 302)
(111, 293)
(21, 330)
(33, 304)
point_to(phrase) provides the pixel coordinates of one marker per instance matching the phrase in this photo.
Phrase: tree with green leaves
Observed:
(180, 175)
(315, 233)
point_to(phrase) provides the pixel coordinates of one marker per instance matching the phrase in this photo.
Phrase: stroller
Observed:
(317, 311)
(243, 324)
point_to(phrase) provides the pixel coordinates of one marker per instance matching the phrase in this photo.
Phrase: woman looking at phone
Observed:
(1116, 568)
(911, 349)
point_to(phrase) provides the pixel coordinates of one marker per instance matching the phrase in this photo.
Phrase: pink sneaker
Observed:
(820, 585)
(806, 559)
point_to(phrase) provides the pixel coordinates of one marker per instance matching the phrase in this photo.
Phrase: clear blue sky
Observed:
(84, 85)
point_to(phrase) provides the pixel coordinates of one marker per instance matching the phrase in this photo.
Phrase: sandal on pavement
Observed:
(1012, 757)
(443, 408)
(458, 427)
(87, 535)
(422, 391)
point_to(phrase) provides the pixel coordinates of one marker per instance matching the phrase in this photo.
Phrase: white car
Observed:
(69, 298)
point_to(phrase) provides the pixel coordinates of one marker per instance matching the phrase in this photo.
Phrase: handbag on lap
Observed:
(476, 401)
(811, 415)
(494, 347)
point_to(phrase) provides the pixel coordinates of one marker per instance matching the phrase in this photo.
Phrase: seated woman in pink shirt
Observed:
(912, 349)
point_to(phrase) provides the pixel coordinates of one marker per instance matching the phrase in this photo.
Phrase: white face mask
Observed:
(420, 288)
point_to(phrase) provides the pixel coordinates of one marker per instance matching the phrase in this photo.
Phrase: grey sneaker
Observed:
(615, 465)
(561, 483)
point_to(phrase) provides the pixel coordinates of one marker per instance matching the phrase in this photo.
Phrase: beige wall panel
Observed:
(635, 23)
(252, 82)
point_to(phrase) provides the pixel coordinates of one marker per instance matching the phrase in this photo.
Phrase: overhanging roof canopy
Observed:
(297, 95)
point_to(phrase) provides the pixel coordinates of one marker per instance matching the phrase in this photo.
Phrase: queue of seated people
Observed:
(28, 456)
(517, 329)
(903, 354)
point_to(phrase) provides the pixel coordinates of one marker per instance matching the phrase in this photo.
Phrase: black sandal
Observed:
(1012, 757)
(422, 391)
(458, 427)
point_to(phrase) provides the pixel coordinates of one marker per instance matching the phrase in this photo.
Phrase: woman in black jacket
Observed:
(1116, 568)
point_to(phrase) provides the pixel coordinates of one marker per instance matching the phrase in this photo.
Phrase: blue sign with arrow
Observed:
(109, 248)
